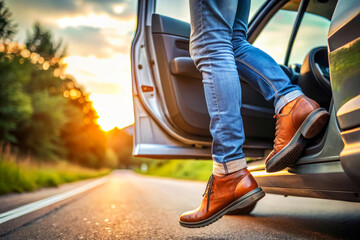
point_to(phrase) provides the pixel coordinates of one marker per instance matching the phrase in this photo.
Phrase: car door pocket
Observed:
(182, 44)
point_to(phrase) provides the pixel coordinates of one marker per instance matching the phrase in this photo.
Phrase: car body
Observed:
(171, 118)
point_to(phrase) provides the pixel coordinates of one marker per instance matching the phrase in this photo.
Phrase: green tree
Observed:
(42, 111)
(40, 135)
(121, 143)
(41, 41)
(83, 139)
(7, 27)
(15, 104)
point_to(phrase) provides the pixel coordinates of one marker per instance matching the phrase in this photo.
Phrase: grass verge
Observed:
(182, 169)
(23, 176)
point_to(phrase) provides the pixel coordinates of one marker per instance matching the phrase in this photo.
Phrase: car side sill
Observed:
(321, 180)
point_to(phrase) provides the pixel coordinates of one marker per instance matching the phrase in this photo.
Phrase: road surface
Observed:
(131, 206)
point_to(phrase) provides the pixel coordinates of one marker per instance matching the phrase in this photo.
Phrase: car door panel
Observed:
(178, 92)
(184, 96)
(184, 93)
(165, 80)
(169, 92)
(344, 61)
(154, 135)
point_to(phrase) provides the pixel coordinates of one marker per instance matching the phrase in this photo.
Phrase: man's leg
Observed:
(257, 67)
(298, 117)
(212, 52)
(231, 186)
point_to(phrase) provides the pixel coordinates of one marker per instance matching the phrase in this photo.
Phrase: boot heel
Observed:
(248, 199)
(314, 123)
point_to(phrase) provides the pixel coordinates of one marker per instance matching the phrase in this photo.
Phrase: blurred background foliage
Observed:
(44, 113)
(48, 127)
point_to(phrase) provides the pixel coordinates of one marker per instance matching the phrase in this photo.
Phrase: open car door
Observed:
(171, 117)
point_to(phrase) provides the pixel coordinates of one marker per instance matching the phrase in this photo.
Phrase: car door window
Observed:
(312, 33)
(274, 38)
(179, 9)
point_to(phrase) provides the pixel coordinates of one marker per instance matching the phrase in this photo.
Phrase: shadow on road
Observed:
(333, 227)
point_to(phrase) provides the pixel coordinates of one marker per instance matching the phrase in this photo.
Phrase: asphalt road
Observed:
(130, 206)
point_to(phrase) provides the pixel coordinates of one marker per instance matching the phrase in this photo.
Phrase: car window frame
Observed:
(299, 17)
(258, 10)
(291, 57)
(266, 13)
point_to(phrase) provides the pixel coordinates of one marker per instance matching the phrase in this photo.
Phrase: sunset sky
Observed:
(98, 35)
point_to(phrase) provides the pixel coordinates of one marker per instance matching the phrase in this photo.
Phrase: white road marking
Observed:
(31, 207)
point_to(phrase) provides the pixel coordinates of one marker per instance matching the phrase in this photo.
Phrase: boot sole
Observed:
(242, 202)
(310, 128)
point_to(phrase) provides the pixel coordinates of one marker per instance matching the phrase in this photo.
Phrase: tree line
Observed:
(44, 112)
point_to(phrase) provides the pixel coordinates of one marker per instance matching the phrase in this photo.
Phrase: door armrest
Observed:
(184, 66)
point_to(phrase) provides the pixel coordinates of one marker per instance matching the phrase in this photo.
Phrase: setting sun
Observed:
(98, 37)
(109, 82)
(113, 110)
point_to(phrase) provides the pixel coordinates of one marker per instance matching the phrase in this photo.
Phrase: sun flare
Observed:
(113, 110)
(109, 82)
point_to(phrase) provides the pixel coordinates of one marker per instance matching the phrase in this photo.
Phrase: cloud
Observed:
(111, 70)
(70, 7)
(26, 12)
(87, 27)
(98, 35)
(85, 41)
(109, 6)
(41, 5)
(97, 21)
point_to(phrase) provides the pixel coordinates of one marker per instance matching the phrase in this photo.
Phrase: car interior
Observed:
(184, 95)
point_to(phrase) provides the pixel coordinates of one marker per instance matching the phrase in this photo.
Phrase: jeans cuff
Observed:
(286, 99)
(229, 167)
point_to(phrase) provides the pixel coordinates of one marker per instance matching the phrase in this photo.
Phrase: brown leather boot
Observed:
(299, 120)
(222, 195)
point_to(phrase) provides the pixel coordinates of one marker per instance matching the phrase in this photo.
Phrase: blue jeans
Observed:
(221, 52)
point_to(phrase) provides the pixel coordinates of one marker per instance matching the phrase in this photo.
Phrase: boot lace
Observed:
(208, 191)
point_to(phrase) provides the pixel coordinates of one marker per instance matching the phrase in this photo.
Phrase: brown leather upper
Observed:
(223, 191)
(289, 121)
